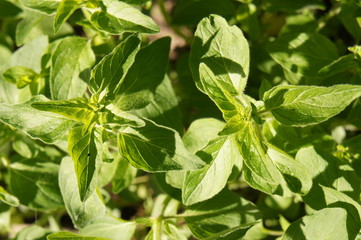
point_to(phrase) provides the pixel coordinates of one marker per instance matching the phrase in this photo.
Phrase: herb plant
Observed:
(248, 130)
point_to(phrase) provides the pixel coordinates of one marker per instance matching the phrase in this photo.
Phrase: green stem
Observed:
(157, 228)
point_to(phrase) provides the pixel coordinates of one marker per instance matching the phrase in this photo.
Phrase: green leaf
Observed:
(224, 52)
(224, 213)
(81, 213)
(46, 126)
(7, 198)
(70, 69)
(329, 223)
(110, 228)
(116, 119)
(63, 12)
(35, 24)
(78, 109)
(144, 76)
(163, 108)
(200, 132)
(35, 183)
(259, 170)
(155, 148)
(123, 177)
(328, 171)
(110, 71)
(121, 17)
(71, 236)
(302, 54)
(200, 185)
(45, 6)
(306, 105)
(21, 76)
(85, 150)
(32, 232)
(294, 173)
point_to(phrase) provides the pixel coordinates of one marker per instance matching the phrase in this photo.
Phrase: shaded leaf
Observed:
(144, 76)
(155, 148)
(35, 183)
(223, 214)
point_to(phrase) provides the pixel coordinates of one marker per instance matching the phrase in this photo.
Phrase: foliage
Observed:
(250, 129)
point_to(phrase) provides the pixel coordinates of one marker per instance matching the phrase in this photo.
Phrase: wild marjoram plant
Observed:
(81, 130)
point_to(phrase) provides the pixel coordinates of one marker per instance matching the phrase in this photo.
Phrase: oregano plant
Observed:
(239, 120)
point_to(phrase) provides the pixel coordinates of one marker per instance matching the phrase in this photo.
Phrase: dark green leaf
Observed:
(221, 215)
(302, 54)
(144, 76)
(110, 71)
(35, 183)
(21, 76)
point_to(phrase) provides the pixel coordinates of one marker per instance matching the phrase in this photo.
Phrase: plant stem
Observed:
(157, 228)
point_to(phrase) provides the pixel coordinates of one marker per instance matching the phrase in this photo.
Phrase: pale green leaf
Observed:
(78, 109)
(70, 68)
(85, 150)
(81, 213)
(305, 105)
(223, 214)
(32, 232)
(221, 96)
(35, 183)
(200, 132)
(110, 228)
(328, 171)
(294, 173)
(110, 71)
(200, 185)
(144, 76)
(46, 126)
(121, 17)
(35, 24)
(329, 223)
(7, 198)
(155, 148)
(71, 236)
(121, 118)
(20, 75)
(259, 170)
(45, 6)
(224, 51)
